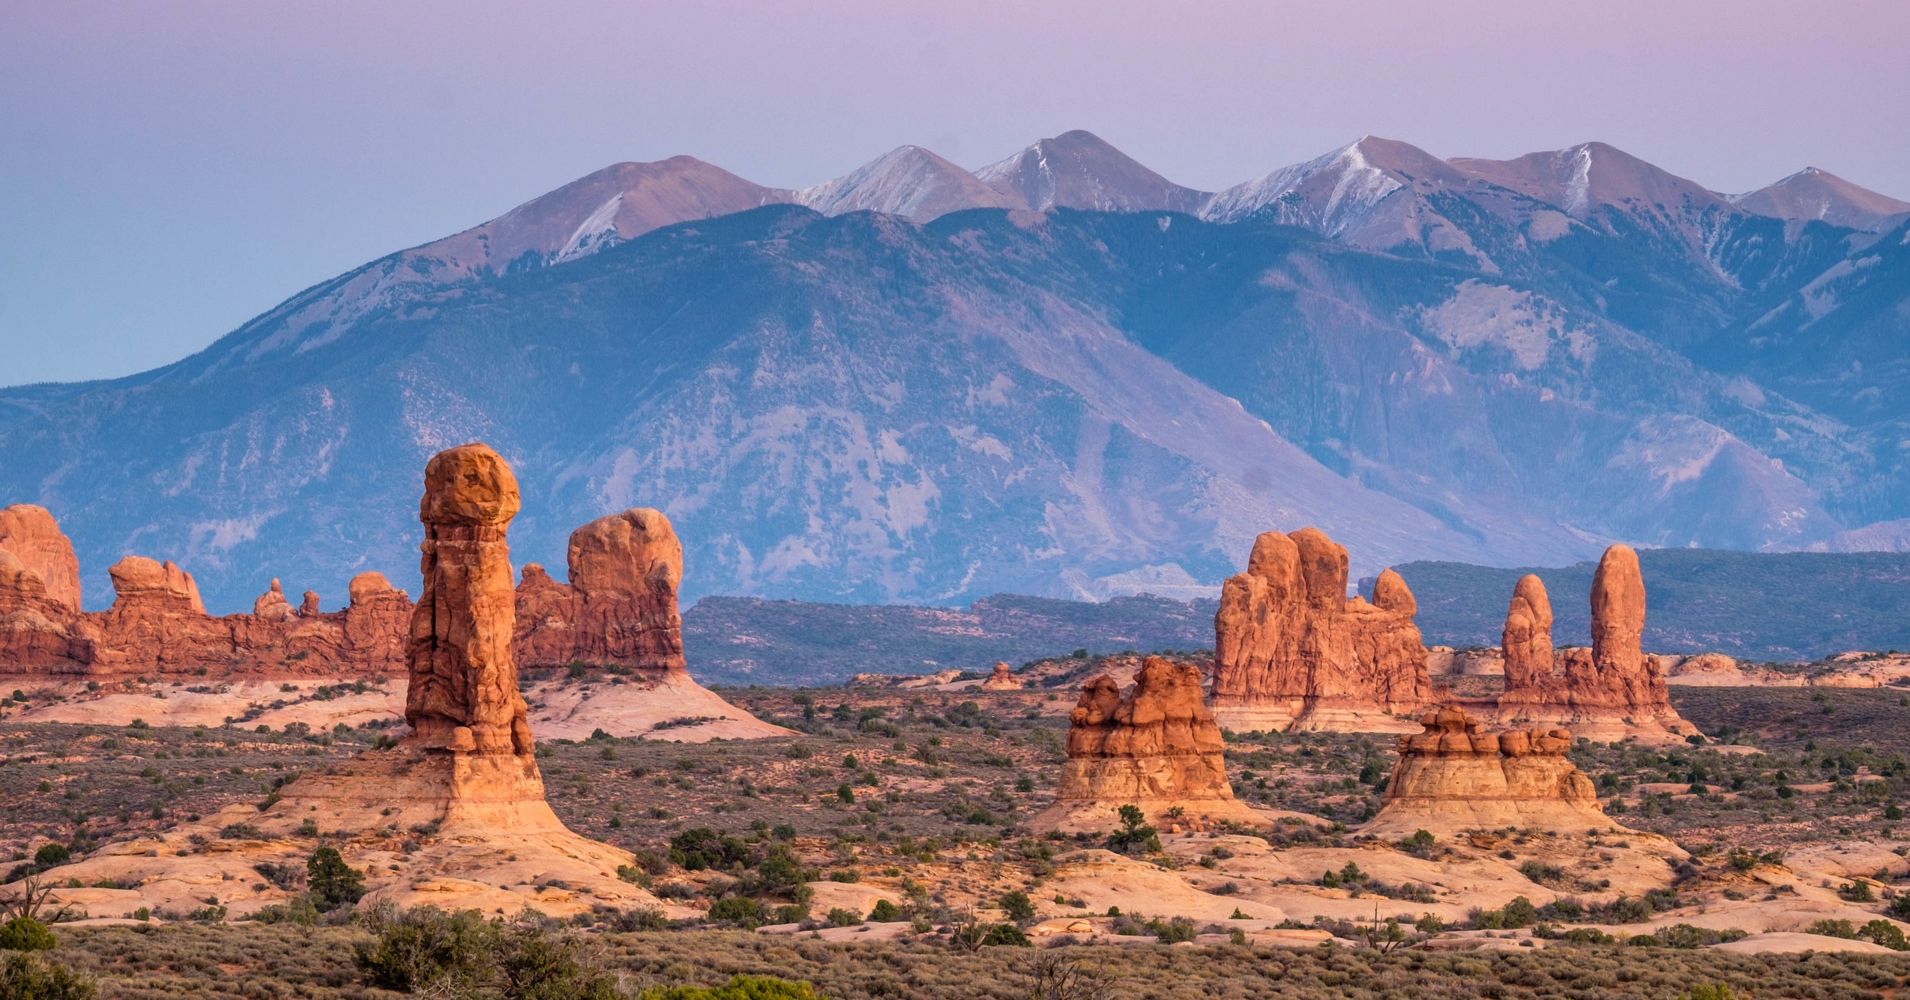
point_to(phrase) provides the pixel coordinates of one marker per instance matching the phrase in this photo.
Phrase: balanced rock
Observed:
(272, 606)
(620, 606)
(1001, 679)
(1292, 651)
(34, 538)
(1610, 691)
(1452, 776)
(1157, 748)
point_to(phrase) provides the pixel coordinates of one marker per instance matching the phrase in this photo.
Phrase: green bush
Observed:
(742, 911)
(30, 977)
(885, 912)
(51, 854)
(463, 954)
(1017, 905)
(738, 988)
(1134, 833)
(26, 934)
(332, 882)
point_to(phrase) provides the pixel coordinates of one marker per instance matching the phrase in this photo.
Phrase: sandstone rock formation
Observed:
(272, 606)
(1610, 691)
(1453, 777)
(1001, 679)
(1157, 748)
(32, 537)
(619, 608)
(463, 679)
(465, 780)
(1293, 652)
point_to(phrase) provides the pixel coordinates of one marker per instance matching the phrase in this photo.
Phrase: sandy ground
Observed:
(673, 708)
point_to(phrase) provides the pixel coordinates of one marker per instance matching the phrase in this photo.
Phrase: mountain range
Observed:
(1060, 374)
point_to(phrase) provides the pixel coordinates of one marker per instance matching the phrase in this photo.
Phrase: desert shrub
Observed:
(738, 988)
(425, 947)
(25, 934)
(1017, 905)
(1857, 891)
(333, 883)
(885, 912)
(1885, 933)
(1709, 991)
(839, 917)
(742, 911)
(30, 977)
(51, 854)
(297, 910)
(700, 847)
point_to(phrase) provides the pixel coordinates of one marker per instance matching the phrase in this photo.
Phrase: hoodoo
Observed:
(1452, 776)
(1610, 691)
(1158, 749)
(1291, 651)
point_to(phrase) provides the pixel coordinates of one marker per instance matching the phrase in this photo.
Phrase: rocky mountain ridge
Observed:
(943, 393)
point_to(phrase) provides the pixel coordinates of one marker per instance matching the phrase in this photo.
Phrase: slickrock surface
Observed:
(1608, 692)
(1157, 748)
(1453, 776)
(1001, 679)
(620, 607)
(465, 781)
(1293, 652)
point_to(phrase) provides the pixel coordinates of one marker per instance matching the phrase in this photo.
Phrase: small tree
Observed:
(1134, 832)
(25, 934)
(333, 883)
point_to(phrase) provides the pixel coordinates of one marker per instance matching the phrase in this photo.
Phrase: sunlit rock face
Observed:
(1293, 652)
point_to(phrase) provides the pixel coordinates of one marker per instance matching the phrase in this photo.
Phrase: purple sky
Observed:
(168, 170)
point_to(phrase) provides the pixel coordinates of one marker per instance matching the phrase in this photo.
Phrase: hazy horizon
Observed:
(176, 171)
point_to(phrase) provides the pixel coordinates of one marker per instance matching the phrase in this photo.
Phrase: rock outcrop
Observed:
(1293, 652)
(619, 608)
(1610, 691)
(1157, 748)
(1452, 776)
(33, 538)
(1001, 679)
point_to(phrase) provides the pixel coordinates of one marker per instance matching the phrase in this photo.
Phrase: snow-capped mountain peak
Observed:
(1079, 169)
(908, 181)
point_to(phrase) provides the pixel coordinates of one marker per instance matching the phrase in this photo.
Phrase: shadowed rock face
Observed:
(1157, 748)
(620, 607)
(1292, 652)
(1453, 776)
(1608, 691)
(463, 691)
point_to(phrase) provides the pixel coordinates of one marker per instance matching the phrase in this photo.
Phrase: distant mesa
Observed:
(1452, 776)
(1292, 651)
(464, 780)
(1156, 747)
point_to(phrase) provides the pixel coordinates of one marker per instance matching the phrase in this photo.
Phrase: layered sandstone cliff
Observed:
(1452, 776)
(1293, 652)
(1157, 748)
(1612, 690)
